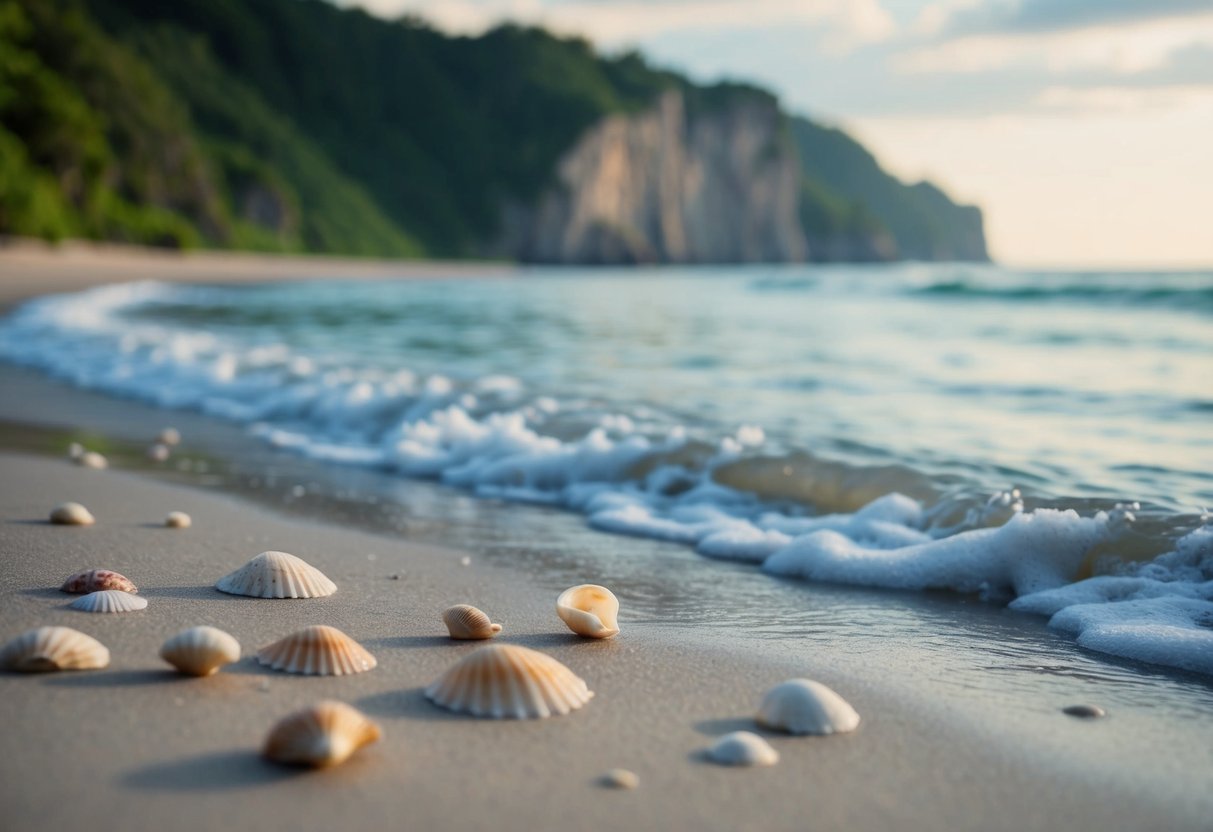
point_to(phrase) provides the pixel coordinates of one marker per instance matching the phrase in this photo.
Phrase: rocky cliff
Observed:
(668, 186)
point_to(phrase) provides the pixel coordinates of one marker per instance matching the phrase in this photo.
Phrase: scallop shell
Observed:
(109, 600)
(317, 651)
(505, 681)
(169, 436)
(277, 575)
(92, 459)
(742, 748)
(589, 610)
(53, 648)
(465, 622)
(72, 514)
(95, 580)
(802, 706)
(158, 452)
(326, 734)
(200, 651)
(178, 520)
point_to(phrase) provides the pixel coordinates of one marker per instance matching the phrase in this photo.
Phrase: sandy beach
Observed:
(137, 746)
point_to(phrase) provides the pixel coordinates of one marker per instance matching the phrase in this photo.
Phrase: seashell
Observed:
(109, 600)
(466, 622)
(169, 436)
(95, 580)
(72, 514)
(277, 575)
(158, 452)
(589, 610)
(200, 651)
(741, 748)
(92, 459)
(53, 648)
(505, 681)
(317, 651)
(1084, 711)
(620, 778)
(802, 706)
(178, 520)
(326, 734)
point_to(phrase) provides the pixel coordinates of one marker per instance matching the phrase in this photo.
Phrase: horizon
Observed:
(1105, 108)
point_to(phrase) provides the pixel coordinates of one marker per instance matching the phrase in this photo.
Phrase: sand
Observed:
(135, 746)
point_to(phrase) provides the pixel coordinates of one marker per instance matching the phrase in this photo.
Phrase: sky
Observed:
(1083, 128)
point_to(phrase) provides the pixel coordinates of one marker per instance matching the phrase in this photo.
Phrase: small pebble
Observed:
(92, 459)
(743, 748)
(158, 453)
(178, 520)
(620, 778)
(465, 561)
(1084, 711)
(169, 436)
(72, 514)
(75, 450)
(396, 576)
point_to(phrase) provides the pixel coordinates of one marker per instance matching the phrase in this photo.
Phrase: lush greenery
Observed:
(293, 125)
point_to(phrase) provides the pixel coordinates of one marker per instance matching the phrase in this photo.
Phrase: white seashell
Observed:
(802, 706)
(620, 778)
(589, 610)
(465, 622)
(505, 681)
(277, 575)
(92, 459)
(94, 580)
(317, 651)
(109, 600)
(53, 648)
(169, 436)
(72, 514)
(741, 748)
(178, 520)
(200, 651)
(158, 452)
(326, 734)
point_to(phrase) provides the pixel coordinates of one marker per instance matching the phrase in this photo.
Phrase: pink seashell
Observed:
(95, 580)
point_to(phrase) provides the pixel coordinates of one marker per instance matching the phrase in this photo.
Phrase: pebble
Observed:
(1084, 711)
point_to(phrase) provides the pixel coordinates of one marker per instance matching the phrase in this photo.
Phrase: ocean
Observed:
(966, 448)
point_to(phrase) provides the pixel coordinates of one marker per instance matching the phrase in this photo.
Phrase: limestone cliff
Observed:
(665, 186)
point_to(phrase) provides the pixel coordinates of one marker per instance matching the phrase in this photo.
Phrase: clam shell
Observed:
(169, 436)
(317, 651)
(742, 748)
(178, 520)
(505, 681)
(72, 514)
(802, 706)
(589, 610)
(325, 734)
(92, 459)
(465, 622)
(277, 575)
(200, 651)
(94, 580)
(53, 648)
(109, 600)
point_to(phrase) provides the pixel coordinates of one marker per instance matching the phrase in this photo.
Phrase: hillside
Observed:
(292, 125)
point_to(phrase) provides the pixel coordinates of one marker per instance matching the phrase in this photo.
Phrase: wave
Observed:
(1198, 297)
(735, 496)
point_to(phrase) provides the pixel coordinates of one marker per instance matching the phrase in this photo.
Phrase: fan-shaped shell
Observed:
(200, 651)
(803, 706)
(72, 514)
(505, 681)
(465, 622)
(317, 651)
(589, 610)
(178, 520)
(277, 575)
(109, 600)
(92, 459)
(325, 734)
(53, 648)
(94, 580)
(742, 748)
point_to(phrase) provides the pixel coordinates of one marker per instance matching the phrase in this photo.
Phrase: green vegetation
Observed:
(292, 125)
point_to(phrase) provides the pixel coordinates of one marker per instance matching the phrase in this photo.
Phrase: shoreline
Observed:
(664, 688)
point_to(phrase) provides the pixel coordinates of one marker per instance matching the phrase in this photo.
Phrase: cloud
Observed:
(1031, 17)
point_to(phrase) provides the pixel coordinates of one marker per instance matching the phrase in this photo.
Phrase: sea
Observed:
(1009, 470)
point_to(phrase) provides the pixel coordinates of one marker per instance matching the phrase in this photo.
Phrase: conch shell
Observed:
(465, 622)
(589, 610)
(325, 734)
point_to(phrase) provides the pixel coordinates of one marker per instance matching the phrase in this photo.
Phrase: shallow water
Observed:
(719, 407)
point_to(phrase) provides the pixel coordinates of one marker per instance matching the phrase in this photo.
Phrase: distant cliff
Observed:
(293, 125)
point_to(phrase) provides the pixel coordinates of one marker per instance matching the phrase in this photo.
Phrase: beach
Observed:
(135, 745)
